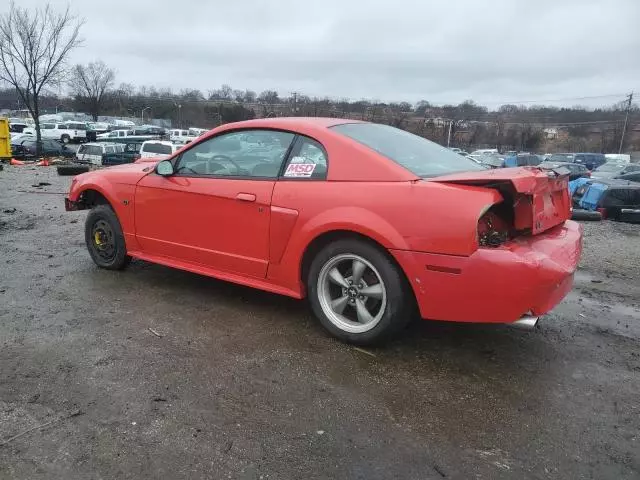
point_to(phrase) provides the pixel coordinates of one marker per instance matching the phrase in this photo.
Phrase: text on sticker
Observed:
(300, 170)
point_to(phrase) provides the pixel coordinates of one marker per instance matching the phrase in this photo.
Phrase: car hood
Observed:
(127, 174)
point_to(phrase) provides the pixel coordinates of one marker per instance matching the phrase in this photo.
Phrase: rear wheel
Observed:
(65, 139)
(358, 293)
(105, 240)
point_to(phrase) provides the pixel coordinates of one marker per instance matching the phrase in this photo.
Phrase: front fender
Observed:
(119, 196)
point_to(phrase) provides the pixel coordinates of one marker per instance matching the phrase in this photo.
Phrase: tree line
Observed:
(34, 46)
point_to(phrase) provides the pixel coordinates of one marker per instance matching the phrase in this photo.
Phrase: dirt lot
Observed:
(244, 384)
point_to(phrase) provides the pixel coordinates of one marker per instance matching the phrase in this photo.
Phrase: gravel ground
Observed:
(157, 373)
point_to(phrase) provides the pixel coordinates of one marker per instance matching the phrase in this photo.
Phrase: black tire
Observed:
(69, 170)
(586, 215)
(103, 222)
(400, 303)
(65, 138)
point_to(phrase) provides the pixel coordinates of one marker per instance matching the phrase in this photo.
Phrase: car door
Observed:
(215, 209)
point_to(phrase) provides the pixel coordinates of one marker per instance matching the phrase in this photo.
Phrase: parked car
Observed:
(150, 130)
(522, 160)
(120, 134)
(64, 132)
(49, 148)
(157, 149)
(561, 157)
(365, 220)
(99, 127)
(17, 126)
(94, 153)
(197, 131)
(130, 153)
(590, 160)
(614, 199)
(614, 169)
(576, 170)
(181, 137)
(629, 177)
(485, 151)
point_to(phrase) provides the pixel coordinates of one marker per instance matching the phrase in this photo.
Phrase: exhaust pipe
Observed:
(526, 322)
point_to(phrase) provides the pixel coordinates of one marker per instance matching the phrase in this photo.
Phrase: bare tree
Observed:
(90, 83)
(33, 48)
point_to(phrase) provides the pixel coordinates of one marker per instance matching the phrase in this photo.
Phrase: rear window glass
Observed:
(156, 148)
(418, 155)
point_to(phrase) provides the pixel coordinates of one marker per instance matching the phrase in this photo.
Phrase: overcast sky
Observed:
(491, 51)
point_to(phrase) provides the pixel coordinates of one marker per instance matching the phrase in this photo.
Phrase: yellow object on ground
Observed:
(5, 139)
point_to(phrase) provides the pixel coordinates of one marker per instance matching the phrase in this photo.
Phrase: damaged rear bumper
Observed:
(527, 276)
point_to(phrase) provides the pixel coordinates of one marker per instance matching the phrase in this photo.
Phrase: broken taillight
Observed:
(493, 231)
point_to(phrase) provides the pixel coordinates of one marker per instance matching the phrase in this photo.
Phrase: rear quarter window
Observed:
(418, 155)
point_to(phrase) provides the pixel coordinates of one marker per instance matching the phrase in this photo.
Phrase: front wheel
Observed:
(105, 240)
(65, 139)
(358, 293)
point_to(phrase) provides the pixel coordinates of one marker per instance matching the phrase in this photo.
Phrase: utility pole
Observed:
(295, 103)
(449, 135)
(626, 120)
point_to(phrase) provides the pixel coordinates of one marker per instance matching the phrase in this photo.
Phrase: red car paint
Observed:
(256, 232)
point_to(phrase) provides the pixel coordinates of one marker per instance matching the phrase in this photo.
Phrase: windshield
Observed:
(418, 155)
(610, 167)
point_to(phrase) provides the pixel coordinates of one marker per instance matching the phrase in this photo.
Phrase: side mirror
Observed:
(164, 168)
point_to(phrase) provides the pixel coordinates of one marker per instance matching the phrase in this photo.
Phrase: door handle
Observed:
(246, 197)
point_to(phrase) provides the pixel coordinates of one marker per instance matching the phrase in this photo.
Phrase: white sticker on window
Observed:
(298, 160)
(300, 170)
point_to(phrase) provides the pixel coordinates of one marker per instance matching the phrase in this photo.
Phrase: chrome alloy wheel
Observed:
(351, 293)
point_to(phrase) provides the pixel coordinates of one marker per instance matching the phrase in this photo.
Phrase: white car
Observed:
(92, 152)
(485, 151)
(114, 134)
(63, 132)
(197, 131)
(157, 149)
(181, 137)
(124, 124)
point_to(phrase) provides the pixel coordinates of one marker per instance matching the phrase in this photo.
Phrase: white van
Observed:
(92, 152)
(181, 137)
(157, 149)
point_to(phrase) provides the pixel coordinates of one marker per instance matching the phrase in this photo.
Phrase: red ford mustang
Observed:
(367, 221)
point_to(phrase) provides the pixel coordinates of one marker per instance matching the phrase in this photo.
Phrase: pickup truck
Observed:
(120, 134)
(64, 132)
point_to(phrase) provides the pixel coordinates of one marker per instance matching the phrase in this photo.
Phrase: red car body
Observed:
(260, 232)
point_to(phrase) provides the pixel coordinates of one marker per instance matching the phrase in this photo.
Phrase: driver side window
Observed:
(246, 153)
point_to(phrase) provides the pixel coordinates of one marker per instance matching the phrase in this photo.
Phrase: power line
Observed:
(626, 120)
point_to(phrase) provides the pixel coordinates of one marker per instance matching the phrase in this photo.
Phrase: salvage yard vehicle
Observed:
(369, 222)
(25, 148)
(63, 132)
(157, 149)
(614, 199)
(615, 169)
(181, 137)
(94, 153)
(575, 169)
